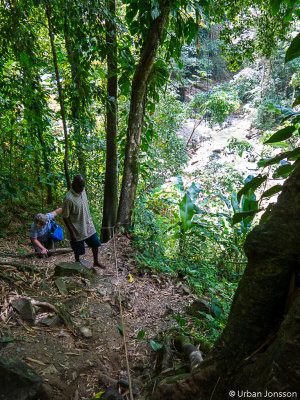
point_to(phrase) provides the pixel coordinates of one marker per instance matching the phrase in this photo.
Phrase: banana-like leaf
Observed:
(193, 191)
(294, 50)
(253, 184)
(282, 134)
(273, 190)
(186, 208)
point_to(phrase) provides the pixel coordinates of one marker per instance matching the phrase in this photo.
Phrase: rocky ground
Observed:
(82, 352)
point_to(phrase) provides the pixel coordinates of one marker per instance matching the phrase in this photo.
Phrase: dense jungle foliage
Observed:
(214, 60)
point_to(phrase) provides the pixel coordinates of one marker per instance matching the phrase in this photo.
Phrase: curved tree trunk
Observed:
(111, 171)
(260, 346)
(136, 117)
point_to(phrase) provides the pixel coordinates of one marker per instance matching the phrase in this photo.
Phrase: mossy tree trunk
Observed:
(260, 346)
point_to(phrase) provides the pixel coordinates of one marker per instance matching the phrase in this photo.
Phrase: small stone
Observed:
(86, 332)
(50, 370)
(51, 322)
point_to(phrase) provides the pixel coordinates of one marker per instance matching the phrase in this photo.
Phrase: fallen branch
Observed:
(53, 252)
(20, 266)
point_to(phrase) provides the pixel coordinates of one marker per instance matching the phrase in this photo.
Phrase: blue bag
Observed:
(56, 233)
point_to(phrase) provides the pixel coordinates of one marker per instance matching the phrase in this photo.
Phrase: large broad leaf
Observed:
(253, 184)
(283, 171)
(297, 101)
(240, 216)
(294, 50)
(186, 208)
(273, 190)
(282, 134)
(249, 204)
(193, 191)
(234, 202)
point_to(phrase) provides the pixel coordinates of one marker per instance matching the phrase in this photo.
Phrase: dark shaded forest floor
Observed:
(84, 358)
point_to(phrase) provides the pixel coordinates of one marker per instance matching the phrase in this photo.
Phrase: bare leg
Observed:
(95, 255)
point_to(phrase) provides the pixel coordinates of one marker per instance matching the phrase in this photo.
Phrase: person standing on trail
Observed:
(40, 232)
(77, 218)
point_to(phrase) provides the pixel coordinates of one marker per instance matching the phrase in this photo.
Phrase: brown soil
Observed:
(75, 366)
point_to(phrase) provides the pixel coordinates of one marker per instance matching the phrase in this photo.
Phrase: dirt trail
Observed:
(73, 364)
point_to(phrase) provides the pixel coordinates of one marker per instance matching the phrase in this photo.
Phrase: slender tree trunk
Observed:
(111, 173)
(262, 79)
(260, 346)
(61, 101)
(46, 166)
(136, 117)
(77, 106)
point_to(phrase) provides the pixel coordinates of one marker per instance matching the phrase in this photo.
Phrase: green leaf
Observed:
(273, 190)
(234, 202)
(141, 335)
(252, 184)
(283, 171)
(282, 134)
(7, 339)
(155, 346)
(294, 50)
(240, 216)
(290, 155)
(121, 330)
(275, 5)
(193, 191)
(98, 395)
(297, 101)
(186, 208)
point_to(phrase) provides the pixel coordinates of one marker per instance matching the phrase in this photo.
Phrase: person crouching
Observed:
(40, 232)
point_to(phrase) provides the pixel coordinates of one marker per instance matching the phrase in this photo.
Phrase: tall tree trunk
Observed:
(46, 166)
(61, 101)
(111, 173)
(136, 117)
(77, 106)
(260, 346)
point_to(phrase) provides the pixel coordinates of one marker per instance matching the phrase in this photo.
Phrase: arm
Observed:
(56, 212)
(71, 229)
(37, 243)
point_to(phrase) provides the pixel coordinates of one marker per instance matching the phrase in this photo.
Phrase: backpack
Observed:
(56, 232)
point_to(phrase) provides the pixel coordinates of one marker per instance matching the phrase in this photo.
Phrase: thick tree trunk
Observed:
(260, 346)
(136, 117)
(61, 101)
(111, 172)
